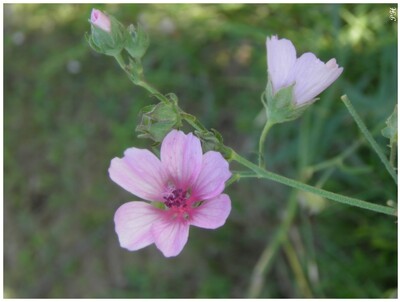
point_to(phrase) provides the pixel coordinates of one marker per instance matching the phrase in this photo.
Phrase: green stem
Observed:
(257, 278)
(140, 82)
(236, 176)
(267, 127)
(193, 121)
(150, 89)
(337, 160)
(369, 137)
(301, 186)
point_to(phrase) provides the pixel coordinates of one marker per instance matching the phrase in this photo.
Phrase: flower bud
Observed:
(138, 42)
(158, 120)
(100, 20)
(108, 35)
(299, 80)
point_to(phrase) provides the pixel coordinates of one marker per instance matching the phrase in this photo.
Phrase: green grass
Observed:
(61, 130)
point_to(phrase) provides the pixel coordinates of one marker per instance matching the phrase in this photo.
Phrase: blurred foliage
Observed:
(69, 111)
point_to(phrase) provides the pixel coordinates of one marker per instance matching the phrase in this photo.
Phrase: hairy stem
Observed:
(139, 80)
(369, 137)
(301, 186)
(193, 121)
(267, 127)
(236, 176)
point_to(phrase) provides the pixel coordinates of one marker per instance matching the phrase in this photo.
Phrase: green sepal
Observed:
(172, 98)
(108, 43)
(390, 131)
(158, 120)
(280, 107)
(88, 38)
(138, 41)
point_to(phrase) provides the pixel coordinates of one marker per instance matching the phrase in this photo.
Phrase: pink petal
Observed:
(170, 234)
(139, 172)
(181, 155)
(313, 76)
(214, 173)
(133, 221)
(212, 213)
(100, 20)
(281, 57)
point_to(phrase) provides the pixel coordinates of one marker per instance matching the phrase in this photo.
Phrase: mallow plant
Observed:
(185, 185)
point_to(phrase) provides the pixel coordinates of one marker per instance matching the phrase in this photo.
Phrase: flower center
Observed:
(176, 199)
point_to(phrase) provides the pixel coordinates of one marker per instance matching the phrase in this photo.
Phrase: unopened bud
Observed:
(101, 20)
(138, 42)
(158, 120)
(108, 35)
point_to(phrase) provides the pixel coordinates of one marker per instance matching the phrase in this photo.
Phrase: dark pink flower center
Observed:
(176, 199)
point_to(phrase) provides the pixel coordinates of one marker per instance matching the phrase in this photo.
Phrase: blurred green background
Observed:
(68, 111)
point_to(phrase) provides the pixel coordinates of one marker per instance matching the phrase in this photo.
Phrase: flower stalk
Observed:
(369, 137)
(323, 193)
(264, 133)
(135, 73)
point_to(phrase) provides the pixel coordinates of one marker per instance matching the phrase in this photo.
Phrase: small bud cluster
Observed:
(108, 36)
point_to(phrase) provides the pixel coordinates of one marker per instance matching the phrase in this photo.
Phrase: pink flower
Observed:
(309, 75)
(188, 183)
(100, 20)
